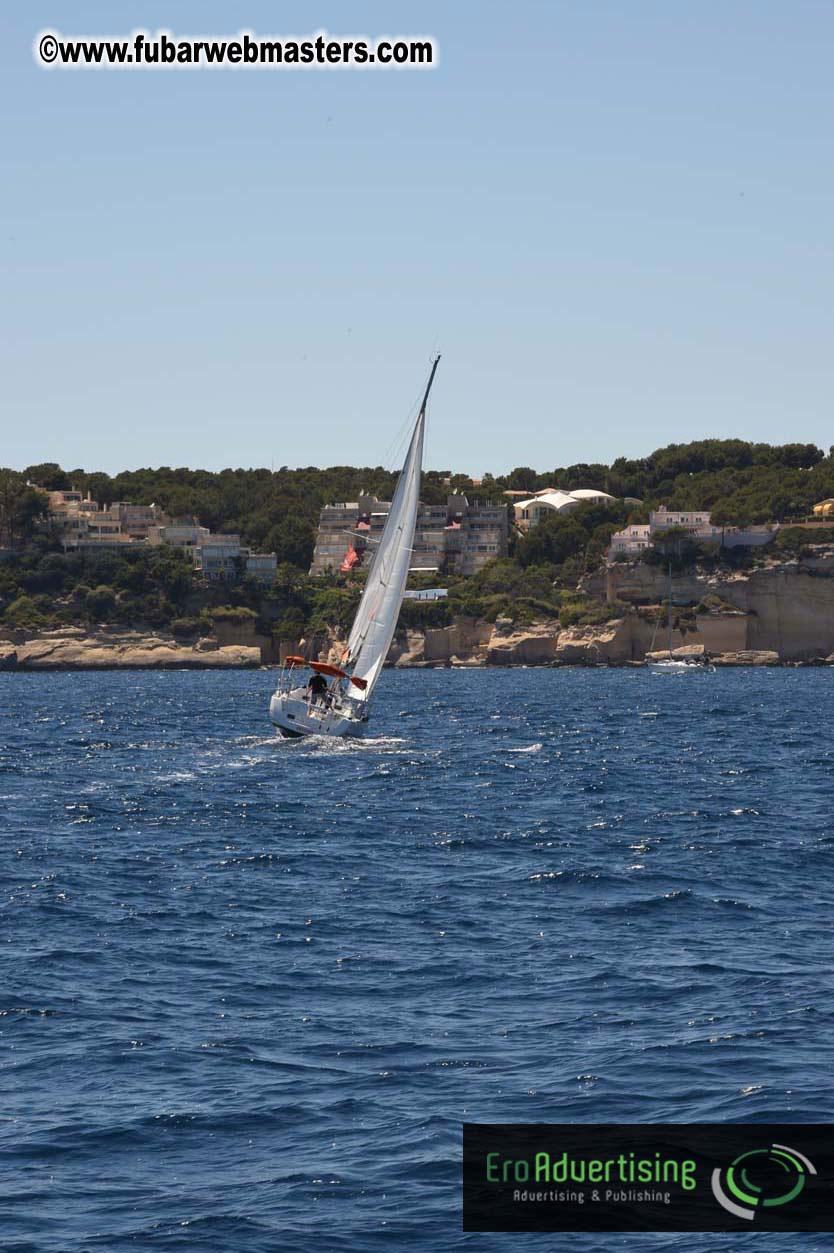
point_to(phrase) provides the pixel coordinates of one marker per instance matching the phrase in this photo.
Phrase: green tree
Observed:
(290, 626)
(24, 613)
(292, 541)
(522, 478)
(48, 475)
(101, 602)
(20, 507)
(552, 541)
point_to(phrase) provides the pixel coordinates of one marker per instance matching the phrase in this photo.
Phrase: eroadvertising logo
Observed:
(761, 1177)
(640, 1177)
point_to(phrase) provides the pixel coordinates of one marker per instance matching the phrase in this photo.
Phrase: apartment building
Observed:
(455, 537)
(137, 520)
(223, 557)
(261, 566)
(219, 557)
(186, 536)
(82, 524)
(631, 540)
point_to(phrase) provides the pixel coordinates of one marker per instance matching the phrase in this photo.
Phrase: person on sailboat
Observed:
(317, 687)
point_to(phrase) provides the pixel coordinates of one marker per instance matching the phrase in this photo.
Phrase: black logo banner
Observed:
(640, 1177)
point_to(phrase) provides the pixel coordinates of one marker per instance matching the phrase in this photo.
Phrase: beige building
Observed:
(81, 523)
(186, 536)
(137, 520)
(631, 540)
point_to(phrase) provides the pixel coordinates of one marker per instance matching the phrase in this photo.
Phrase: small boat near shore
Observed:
(334, 701)
(677, 663)
(672, 662)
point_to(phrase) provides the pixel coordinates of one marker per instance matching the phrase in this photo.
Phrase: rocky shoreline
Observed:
(779, 615)
(537, 646)
(129, 650)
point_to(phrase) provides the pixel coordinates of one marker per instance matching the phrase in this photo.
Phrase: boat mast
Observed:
(671, 654)
(428, 386)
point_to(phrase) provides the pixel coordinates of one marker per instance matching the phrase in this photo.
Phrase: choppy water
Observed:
(252, 987)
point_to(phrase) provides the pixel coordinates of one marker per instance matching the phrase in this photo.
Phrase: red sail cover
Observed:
(351, 559)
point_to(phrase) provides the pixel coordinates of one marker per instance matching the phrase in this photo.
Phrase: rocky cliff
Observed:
(623, 641)
(74, 649)
(787, 607)
(780, 612)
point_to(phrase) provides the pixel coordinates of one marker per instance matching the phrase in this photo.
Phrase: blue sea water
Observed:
(252, 987)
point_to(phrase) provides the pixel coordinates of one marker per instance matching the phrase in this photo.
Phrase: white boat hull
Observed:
(294, 714)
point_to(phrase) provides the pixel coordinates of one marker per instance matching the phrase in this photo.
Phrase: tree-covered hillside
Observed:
(271, 511)
(748, 482)
(277, 511)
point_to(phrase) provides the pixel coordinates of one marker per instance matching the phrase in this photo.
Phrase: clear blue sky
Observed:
(615, 219)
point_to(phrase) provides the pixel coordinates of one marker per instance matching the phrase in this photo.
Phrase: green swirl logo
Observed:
(762, 1178)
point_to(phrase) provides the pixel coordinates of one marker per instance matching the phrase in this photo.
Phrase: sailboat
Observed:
(672, 662)
(340, 707)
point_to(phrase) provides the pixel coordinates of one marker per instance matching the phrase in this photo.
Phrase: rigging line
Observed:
(369, 539)
(398, 441)
(656, 625)
(395, 455)
(399, 438)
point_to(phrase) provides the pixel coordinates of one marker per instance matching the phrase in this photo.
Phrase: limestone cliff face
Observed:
(465, 641)
(534, 644)
(780, 611)
(794, 614)
(75, 650)
(244, 635)
(716, 633)
(789, 606)
(610, 644)
(623, 641)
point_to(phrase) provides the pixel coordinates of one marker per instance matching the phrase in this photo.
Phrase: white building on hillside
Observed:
(186, 536)
(633, 539)
(426, 593)
(543, 504)
(697, 523)
(590, 493)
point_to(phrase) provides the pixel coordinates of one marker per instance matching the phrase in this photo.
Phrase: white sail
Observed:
(376, 618)
(293, 709)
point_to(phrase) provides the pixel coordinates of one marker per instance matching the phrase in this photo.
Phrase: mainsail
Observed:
(376, 618)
